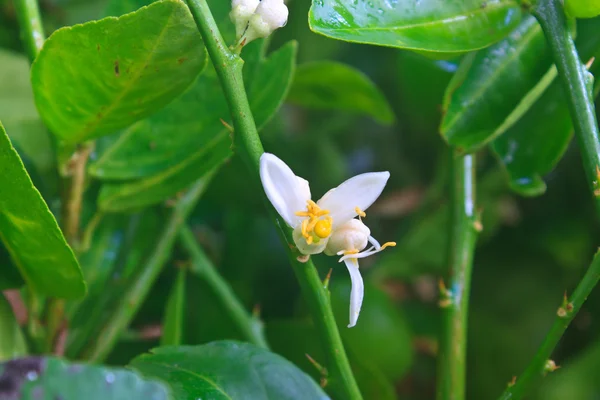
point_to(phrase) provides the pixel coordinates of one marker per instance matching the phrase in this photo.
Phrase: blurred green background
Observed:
(531, 251)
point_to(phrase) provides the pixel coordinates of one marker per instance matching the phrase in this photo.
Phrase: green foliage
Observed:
(93, 79)
(173, 323)
(227, 370)
(490, 84)
(51, 378)
(432, 25)
(335, 86)
(31, 234)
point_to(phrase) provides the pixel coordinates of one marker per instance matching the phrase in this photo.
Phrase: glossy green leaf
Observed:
(389, 347)
(93, 79)
(187, 139)
(12, 342)
(330, 85)
(534, 145)
(30, 232)
(173, 324)
(227, 370)
(489, 85)
(51, 379)
(429, 25)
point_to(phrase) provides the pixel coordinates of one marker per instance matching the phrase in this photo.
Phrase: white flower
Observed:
(328, 225)
(241, 11)
(257, 18)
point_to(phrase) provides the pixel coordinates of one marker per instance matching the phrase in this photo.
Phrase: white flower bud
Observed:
(352, 235)
(241, 11)
(269, 15)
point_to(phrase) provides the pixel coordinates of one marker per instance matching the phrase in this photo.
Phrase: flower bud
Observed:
(352, 235)
(269, 15)
(241, 11)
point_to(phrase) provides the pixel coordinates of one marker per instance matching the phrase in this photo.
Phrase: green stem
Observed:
(30, 23)
(247, 143)
(464, 227)
(538, 367)
(250, 327)
(577, 87)
(135, 296)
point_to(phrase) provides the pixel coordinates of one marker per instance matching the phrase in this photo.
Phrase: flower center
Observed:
(317, 224)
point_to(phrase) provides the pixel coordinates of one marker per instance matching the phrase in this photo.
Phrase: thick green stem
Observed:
(247, 144)
(577, 87)
(540, 365)
(136, 294)
(464, 227)
(250, 327)
(30, 23)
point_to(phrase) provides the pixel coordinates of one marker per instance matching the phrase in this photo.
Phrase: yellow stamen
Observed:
(353, 251)
(360, 212)
(388, 244)
(315, 227)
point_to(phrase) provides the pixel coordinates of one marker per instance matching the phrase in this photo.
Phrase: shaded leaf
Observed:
(187, 139)
(175, 312)
(30, 232)
(227, 370)
(490, 84)
(93, 79)
(429, 25)
(12, 342)
(335, 86)
(50, 379)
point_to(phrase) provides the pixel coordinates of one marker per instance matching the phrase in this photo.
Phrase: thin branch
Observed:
(251, 327)
(248, 145)
(454, 301)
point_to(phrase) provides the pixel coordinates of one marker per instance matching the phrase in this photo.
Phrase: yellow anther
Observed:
(353, 251)
(388, 244)
(314, 227)
(360, 212)
(322, 228)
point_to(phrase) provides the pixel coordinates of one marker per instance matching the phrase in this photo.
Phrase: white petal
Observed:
(287, 192)
(360, 191)
(357, 292)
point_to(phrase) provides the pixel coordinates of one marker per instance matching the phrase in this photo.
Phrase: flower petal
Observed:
(357, 292)
(287, 192)
(360, 191)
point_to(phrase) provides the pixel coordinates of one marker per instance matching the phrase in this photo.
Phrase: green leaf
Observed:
(534, 145)
(187, 139)
(489, 85)
(51, 378)
(428, 25)
(329, 85)
(12, 342)
(30, 232)
(227, 370)
(174, 315)
(94, 79)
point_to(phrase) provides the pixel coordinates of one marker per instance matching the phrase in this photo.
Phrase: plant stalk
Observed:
(250, 327)
(454, 299)
(577, 86)
(247, 144)
(539, 366)
(135, 296)
(30, 24)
